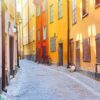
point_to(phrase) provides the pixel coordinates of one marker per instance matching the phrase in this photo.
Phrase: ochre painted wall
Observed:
(85, 27)
(30, 47)
(60, 27)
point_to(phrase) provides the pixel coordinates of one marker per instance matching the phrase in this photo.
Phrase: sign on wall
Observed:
(53, 44)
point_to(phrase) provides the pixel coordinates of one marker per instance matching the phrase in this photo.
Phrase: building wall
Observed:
(58, 29)
(85, 27)
(41, 21)
(29, 30)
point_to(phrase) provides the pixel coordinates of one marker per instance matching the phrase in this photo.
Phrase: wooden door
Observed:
(38, 54)
(60, 54)
(78, 55)
(11, 54)
(44, 52)
(98, 48)
(71, 52)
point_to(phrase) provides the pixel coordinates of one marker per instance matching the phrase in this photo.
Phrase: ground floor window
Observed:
(53, 44)
(86, 50)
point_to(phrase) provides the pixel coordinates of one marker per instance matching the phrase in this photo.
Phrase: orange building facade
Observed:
(41, 31)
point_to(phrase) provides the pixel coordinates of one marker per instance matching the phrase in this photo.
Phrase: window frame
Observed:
(96, 5)
(86, 9)
(74, 18)
(51, 13)
(60, 9)
(86, 49)
(38, 8)
(43, 5)
(44, 33)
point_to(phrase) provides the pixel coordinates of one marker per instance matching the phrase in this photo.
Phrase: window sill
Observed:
(74, 23)
(51, 22)
(98, 5)
(60, 17)
(85, 15)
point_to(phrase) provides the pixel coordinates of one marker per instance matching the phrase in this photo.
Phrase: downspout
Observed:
(28, 21)
(22, 31)
(3, 46)
(68, 21)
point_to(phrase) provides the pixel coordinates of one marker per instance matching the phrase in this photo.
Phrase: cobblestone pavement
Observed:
(40, 82)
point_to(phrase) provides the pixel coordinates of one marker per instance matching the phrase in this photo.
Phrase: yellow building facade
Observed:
(84, 34)
(29, 29)
(58, 31)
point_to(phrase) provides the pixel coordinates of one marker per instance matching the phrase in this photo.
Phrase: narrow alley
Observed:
(40, 82)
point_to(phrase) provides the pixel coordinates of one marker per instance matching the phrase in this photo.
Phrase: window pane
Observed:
(44, 33)
(84, 7)
(51, 13)
(74, 12)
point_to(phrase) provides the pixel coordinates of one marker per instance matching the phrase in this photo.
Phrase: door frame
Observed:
(71, 54)
(60, 63)
(78, 51)
(11, 51)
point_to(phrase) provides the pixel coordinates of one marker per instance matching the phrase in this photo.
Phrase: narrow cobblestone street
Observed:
(40, 82)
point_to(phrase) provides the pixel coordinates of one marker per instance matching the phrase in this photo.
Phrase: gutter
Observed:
(68, 21)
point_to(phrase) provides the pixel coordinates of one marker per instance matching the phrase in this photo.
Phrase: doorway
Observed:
(60, 54)
(11, 41)
(98, 48)
(71, 52)
(77, 55)
(38, 55)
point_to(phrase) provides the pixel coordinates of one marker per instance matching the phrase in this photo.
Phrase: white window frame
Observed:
(43, 5)
(44, 33)
(73, 11)
(38, 10)
(51, 13)
(60, 11)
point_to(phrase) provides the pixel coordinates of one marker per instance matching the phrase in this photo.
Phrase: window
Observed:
(38, 10)
(73, 11)
(38, 35)
(60, 9)
(53, 44)
(44, 33)
(84, 8)
(86, 50)
(51, 14)
(97, 2)
(43, 5)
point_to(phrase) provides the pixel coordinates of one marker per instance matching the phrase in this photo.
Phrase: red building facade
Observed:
(41, 31)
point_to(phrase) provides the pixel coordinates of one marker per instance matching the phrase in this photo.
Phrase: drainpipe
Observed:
(17, 35)
(3, 47)
(22, 31)
(68, 21)
(28, 22)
